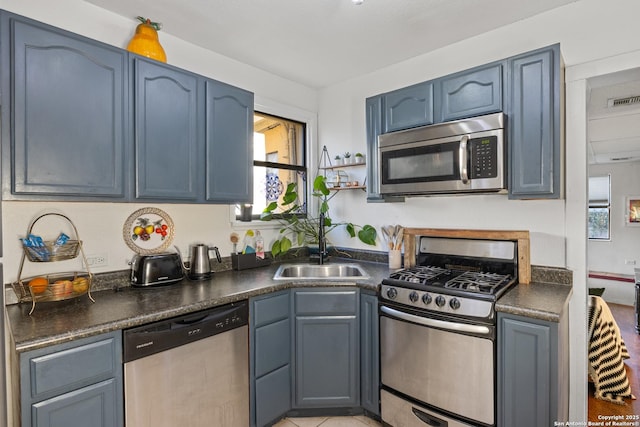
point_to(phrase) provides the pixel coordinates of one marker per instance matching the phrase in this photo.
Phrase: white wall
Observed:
(614, 255)
(588, 30)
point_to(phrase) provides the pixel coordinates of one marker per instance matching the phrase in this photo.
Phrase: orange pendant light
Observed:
(145, 41)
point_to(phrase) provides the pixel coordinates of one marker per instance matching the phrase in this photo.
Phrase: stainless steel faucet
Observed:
(322, 241)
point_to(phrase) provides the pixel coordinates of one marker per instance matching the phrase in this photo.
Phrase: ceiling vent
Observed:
(630, 100)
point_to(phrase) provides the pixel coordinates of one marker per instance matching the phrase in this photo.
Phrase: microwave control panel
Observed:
(484, 157)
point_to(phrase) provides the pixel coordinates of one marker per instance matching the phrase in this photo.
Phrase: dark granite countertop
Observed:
(58, 322)
(543, 301)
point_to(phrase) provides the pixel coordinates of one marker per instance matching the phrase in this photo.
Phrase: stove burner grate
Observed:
(418, 274)
(485, 283)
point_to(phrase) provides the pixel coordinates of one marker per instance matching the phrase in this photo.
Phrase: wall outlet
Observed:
(630, 261)
(97, 260)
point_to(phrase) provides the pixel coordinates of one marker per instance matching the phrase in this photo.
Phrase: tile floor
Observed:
(357, 421)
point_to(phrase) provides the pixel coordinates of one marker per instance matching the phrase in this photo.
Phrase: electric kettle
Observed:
(200, 266)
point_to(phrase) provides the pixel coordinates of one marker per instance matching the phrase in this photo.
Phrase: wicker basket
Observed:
(57, 290)
(52, 252)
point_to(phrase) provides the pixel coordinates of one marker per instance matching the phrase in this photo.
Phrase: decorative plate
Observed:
(148, 231)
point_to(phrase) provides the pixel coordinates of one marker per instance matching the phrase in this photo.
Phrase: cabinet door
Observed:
(75, 383)
(270, 360)
(471, 93)
(168, 139)
(524, 373)
(374, 129)
(534, 124)
(369, 354)
(92, 406)
(326, 364)
(408, 107)
(229, 143)
(67, 113)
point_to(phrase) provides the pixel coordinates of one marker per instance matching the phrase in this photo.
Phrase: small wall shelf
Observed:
(350, 187)
(348, 165)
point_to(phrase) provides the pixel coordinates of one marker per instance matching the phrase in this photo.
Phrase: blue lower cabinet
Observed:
(313, 349)
(327, 348)
(327, 373)
(78, 383)
(533, 367)
(270, 357)
(86, 407)
(369, 354)
(273, 392)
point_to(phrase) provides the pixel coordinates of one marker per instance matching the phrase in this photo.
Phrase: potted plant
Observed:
(304, 229)
(338, 160)
(347, 158)
(359, 157)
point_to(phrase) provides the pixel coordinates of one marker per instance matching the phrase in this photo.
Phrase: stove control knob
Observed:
(454, 303)
(413, 296)
(426, 299)
(392, 293)
(440, 301)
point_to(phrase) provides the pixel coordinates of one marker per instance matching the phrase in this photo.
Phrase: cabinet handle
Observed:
(462, 159)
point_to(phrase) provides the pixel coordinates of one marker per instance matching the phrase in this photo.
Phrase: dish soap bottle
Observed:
(259, 246)
(249, 243)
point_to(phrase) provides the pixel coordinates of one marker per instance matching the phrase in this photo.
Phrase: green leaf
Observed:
(351, 230)
(272, 207)
(285, 244)
(275, 248)
(289, 198)
(291, 187)
(368, 235)
(266, 216)
(301, 237)
(320, 185)
(324, 207)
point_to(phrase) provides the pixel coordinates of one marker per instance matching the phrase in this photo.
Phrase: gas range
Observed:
(459, 277)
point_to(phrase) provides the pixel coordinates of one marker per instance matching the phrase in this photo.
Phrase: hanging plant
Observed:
(303, 229)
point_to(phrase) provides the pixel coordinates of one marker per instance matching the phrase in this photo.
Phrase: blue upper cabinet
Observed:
(374, 129)
(229, 143)
(471, 93)
(535, 124)
(168, 137)
(84, 121)
(64, 100)
(526, 87)
(408, 107)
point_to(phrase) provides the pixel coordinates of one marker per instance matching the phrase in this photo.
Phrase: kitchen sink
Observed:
(320, 271)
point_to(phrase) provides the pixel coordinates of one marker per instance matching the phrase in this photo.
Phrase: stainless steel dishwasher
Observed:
(191, 370)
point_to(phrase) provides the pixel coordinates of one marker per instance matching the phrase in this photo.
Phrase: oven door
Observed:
(439, 363)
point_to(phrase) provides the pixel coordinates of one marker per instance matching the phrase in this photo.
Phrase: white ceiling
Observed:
(614, 131)
(321, 42)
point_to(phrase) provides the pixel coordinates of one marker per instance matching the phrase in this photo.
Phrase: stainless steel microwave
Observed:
(462, 156)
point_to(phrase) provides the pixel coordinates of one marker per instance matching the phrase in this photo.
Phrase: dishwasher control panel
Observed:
(159, 336)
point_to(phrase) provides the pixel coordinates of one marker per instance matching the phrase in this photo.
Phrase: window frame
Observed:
(310, 120)
(599, 204)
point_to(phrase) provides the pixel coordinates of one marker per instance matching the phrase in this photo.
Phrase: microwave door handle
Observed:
(463, 159)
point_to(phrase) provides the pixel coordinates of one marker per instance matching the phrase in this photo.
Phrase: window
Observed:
(599, 207)
(278, 160)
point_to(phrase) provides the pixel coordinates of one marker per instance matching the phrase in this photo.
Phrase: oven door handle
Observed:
(442, 324)
(463, 159)
(428, 418)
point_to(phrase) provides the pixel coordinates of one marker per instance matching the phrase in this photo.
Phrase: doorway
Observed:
(613, 173)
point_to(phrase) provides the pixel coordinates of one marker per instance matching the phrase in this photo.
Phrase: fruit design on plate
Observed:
(38, 285)
(145, 228)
